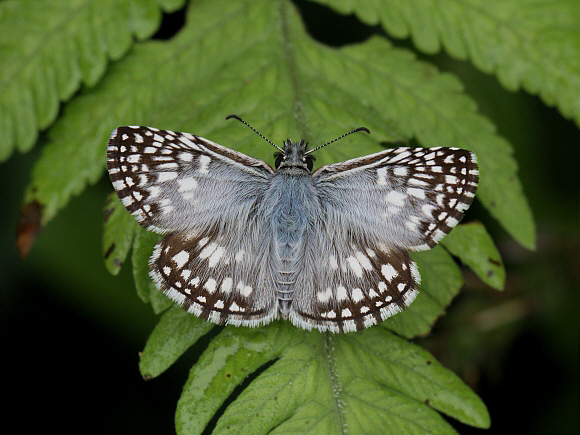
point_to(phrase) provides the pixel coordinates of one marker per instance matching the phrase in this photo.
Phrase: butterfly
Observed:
(246, 243)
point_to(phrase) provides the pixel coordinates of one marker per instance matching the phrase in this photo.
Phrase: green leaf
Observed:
(535, 45)
(431, 107)
(312, 85)
(324, 384)
(473, 245)
(143, 246)
(49, 47)
(231, 356)
(440, 282)
(253, 58)
(119, 229)
(176, 332)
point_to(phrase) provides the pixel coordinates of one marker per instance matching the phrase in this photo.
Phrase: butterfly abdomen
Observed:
(290, 216)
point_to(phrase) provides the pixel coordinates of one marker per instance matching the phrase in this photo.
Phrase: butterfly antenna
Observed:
(340, 137)
(255, 131)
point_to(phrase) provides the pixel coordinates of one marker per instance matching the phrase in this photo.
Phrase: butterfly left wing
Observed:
(173, 181)
(218, 275)
(375, 209)
(203, 196)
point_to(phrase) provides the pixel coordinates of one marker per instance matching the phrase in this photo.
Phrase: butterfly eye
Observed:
(279, 157)
(310, 162)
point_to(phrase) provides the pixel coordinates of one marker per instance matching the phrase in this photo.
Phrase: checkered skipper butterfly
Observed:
(246, 243)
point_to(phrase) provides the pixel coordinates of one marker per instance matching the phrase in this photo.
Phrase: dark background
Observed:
(70, 333)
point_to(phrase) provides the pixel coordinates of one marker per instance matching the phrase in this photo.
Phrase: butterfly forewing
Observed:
(176, 181)
(406, 197)
(201, 194)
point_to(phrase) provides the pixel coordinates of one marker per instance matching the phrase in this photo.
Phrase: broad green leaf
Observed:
(473, 245)
(296, 90)
(176, 331)
(143, 246)
(48, 48)
(253, 58)
(525, 43)
(440, 282)
(431, 107)
(119, 229)
(324, 384)
(231, 356)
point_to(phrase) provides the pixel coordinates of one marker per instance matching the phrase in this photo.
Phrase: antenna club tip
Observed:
(364, 129)
(232, 116)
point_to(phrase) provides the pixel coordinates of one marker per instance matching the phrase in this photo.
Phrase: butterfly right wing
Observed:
(203, 196)
(373, 210)
(352, 284)
(406, 197)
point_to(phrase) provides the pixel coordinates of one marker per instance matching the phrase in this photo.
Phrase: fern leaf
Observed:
(525, 43)
(440, 282)
(143, 245)
(118, 233)
(473, 245)
(324, 384)
(230, 357)
(255, 59)
(50, 47)
(176, 332)
(434, 110)
(368, 82)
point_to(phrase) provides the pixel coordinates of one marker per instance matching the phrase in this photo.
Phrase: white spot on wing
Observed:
(186, 157)
(363, 260)
(401, 171)
(216, 255)
(357, 295)
(208, 250)
(204, 162)
(382, 176)
(417, 193)
(210, 285)
(181, 258)
(332, 262)
(396, 198)
(355, 266)
(388, 272)
(227, 285)
(325, 295)
(341, 294)
(166, 176)
(186, 184)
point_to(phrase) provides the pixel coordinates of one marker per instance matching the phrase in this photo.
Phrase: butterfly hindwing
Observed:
(373, 210)
(217, 276)
(201, 195)
(355, 286)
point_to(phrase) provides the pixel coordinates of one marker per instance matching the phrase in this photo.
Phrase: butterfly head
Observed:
(294, 156)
